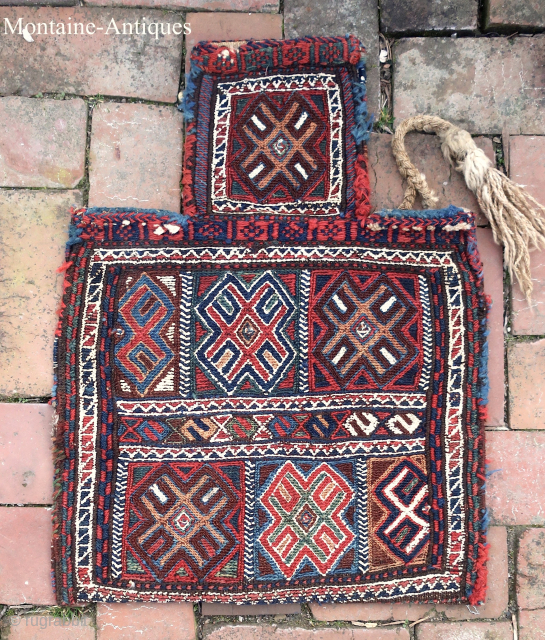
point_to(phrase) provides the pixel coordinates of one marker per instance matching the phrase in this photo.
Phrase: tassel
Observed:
(515, 217)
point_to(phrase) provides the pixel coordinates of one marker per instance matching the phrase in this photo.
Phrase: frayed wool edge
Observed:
(449, 211)
(476, 593)
(364, 122)
(189, 101)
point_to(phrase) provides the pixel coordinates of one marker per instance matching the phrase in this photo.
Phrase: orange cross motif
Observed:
(280, 164)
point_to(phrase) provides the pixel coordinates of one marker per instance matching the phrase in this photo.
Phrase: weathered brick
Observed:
(209, 5)
(253, 632)
(44, 627)
(531, 569)
(370, 611)
(465, 631)
(505, 13)
(25, 453)
(25, 555)
(492, 258)
(387, 187)
(136, 156)
(225, 609)
(497, 596)
(515, 490)
(481, 84)
(526, 362)
(33, 232)
(532, 625)
(326, 18)
(137, 66)
(230, 26)
(527, 167)
(157, 620)
(352, 611)
(23, 3)
(497, 592)
(42, 142)
(409, 16)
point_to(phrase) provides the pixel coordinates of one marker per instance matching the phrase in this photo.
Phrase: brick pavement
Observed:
(92, 120)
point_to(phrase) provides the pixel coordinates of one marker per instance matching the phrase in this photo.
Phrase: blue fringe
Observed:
(449, 211)
(491, 472)
(364, 123)
(483, 367)
(74, 236)
(188, 104)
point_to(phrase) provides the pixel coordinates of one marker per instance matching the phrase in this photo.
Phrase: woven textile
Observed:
(271, 409)
(275, 128)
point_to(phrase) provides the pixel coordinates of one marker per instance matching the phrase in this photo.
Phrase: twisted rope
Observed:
(515, 216)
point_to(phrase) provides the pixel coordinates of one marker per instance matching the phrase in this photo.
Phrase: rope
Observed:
(515, 216)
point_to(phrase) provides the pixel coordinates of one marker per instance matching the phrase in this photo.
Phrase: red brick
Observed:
(492, 259)
(230, 26)
(465, 631)
(352, 611)
(25, 555)
(526, 362)
(31, 3)
(477, 83)
(25, 453)
(531, 570)
(252, 632)
(527, 167)
(532, 625)
(157, 620)
(33, 232)
(528, 319)
(505, 13)
(497, 594)
(515, 491)
(138, 66)
(225, 609)
(387, 187)
(136, 156)
(210, 5)
(42, 142)
(44, 627)
(370, 611)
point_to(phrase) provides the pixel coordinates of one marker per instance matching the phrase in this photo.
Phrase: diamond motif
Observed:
(248, 332)
(306, 517)
(184, 520)
(280, 146)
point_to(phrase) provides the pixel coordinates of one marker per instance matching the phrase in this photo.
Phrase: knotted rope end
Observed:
(516, 218)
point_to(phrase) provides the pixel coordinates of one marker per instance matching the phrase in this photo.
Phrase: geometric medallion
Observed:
(184, 520)
(306, 519)
(365, 332)
(279, 147)
(245, 344)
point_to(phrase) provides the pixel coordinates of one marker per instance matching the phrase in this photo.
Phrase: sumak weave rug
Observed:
(279, 397)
